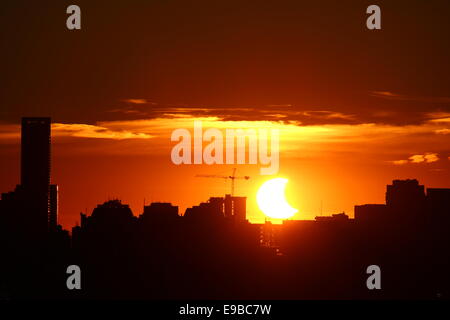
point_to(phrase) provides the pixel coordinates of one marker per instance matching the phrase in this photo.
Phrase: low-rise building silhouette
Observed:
(371, 212)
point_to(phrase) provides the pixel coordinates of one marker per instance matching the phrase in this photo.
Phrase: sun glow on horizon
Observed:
(272, 201)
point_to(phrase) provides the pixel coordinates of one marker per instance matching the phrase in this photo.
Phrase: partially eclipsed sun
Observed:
(272, 201)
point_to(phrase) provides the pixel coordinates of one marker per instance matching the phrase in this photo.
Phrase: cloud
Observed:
(438, 117)
(134, 109)
(94, 131)
(102, 130)
(9, 131)
(141, 108)
(325, 114)
(384, 94)
(400, 162)
(287, 113)
(402, 97)
(419, 158)
(136, 101)
(128, 111)
(318, 138)
(431, 157)
(442, 131)
(279, 105)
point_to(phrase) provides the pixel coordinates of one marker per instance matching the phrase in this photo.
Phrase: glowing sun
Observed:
(272, 201)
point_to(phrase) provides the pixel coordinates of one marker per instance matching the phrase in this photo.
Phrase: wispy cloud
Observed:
(378, 142)
(142, 108)
(136, 101)
(286, 105)
(325, 114)
(439, 117)
(139, 108)
(95, 131)
(129, 111)
(9, 131)
(442, 131)
(428, 157)
(400, 162)
(396, 96)
(103, 130)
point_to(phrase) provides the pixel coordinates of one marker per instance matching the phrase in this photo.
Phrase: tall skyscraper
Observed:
(35, 156)
(54, 207)
(35, 170)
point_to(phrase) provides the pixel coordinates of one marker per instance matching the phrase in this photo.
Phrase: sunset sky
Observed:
(355, 108)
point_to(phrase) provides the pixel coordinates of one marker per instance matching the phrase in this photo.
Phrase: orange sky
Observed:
(330, 166)
(356, 108)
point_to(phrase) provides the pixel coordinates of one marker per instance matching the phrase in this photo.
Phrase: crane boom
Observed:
(232, 177)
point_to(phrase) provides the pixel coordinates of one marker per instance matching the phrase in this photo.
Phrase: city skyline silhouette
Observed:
(212, 251)
(199, 157)
(351, 104)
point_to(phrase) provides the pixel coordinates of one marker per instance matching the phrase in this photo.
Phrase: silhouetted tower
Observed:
(35, 170)
(35, 156)
(54, 207)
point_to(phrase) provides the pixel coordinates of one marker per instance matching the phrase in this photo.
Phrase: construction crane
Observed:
(232, 177)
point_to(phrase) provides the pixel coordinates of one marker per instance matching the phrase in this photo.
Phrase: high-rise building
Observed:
(35, 154)
(35, 170)
(54, 207)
